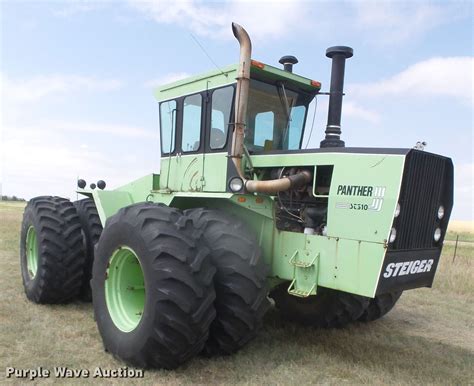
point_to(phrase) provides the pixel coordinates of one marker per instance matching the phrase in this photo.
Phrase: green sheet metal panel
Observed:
(182, 173)
(351, 215)
(215, 172)
(347, 265)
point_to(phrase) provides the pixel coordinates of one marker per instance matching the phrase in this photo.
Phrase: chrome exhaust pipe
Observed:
(241, 102)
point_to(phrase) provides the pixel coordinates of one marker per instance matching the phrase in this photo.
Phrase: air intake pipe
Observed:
(241, 102)
(338, 54)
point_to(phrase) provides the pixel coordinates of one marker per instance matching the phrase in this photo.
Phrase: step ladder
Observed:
(305, 276)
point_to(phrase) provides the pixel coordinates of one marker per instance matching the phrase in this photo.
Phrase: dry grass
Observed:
(461, 226)
(426, 339)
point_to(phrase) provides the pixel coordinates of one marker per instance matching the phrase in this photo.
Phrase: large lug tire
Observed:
(380, 306)
(51, 250)
(328, 309)
(152, 287)
(240, 281)
(91, 229)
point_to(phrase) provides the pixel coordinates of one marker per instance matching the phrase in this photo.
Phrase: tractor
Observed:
(187, 261)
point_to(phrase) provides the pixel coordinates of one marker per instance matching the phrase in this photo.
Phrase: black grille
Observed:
(427, 184)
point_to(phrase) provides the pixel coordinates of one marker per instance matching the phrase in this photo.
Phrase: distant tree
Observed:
(12, 198)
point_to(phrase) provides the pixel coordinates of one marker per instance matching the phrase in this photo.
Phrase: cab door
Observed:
(190, 160)
(182, 168)
(218, 137)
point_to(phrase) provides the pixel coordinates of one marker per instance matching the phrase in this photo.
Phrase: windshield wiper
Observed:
(286, 105)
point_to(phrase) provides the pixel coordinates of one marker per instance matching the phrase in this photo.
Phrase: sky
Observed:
(76, 79)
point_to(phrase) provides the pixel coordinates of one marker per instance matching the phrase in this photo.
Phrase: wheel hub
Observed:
(31, 252)
(125, 289)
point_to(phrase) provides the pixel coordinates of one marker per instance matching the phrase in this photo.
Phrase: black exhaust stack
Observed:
(338, 54)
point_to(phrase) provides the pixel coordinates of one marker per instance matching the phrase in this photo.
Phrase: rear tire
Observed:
(152, 287)
(91, 228)
(51, 250)
(328, 309)
(240, 281)
(380, 306)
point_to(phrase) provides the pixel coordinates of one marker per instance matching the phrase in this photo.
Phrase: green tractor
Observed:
(184, 262)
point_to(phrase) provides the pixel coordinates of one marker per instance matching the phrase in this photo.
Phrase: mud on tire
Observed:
(240, 281)
(178, 294)
(51, 250)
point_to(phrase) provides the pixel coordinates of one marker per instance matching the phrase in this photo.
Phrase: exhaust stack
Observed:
(241, 101)
(288, 61)
(338, 54)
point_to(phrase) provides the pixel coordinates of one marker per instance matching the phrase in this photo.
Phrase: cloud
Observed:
(169, 78)
(213, 19)
(398, 21)
(41, 86)
(53, 128)
(53, 168)
(446, 77)
(46, 158)
(353, 110)
(387, 22)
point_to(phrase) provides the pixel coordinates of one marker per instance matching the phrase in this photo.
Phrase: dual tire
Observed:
(52, 254)
(152, 287)
(57, 248)
(187, 283)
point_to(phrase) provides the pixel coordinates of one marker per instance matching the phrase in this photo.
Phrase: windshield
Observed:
(275, 117)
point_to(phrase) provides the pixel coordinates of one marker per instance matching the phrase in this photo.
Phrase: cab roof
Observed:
(227, 75)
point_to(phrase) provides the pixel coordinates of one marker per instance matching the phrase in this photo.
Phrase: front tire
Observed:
(152, 287)
(240, 281)
(327, 309)
(380, 306)
(51, 250)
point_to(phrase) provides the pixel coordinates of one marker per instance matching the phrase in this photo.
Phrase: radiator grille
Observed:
(427, 183)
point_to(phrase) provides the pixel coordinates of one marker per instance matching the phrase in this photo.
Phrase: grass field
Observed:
(427, 338)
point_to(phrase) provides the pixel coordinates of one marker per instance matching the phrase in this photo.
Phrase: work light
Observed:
(397, 211)
(236, 184)
(441, 212)
(393, 235)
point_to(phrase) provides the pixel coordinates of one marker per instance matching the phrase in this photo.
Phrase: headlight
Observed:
(236, 184)
(393, 235)
(397, 211)
(437, 235)
(441, 212)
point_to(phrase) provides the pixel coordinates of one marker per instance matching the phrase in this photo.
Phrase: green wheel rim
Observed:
(32, 252)
(125, 289)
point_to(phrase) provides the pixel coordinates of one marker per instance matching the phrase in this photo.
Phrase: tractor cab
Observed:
(197, 122)
(277, 108)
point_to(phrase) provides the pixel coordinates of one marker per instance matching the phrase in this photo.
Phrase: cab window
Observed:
(168, 126)
(220, 116)
(275, 117)
(191, 133)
